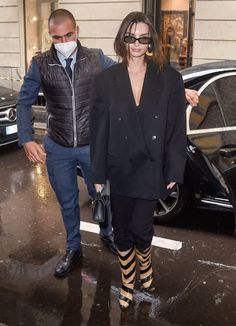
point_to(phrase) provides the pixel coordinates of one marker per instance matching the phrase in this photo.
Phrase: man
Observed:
(65, 74)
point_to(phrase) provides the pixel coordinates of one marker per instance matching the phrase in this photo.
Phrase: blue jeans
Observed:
(62, 172)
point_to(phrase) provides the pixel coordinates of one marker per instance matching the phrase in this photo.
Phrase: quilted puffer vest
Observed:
(68, 101)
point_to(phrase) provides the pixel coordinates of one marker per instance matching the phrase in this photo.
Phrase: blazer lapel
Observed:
(127, 106)
(151, 99)
(152, 89)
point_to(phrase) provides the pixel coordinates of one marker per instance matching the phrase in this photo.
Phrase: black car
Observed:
(8, 126)
(210, 174)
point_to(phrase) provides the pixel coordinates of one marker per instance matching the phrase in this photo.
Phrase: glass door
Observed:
(174, 23)
(36, 26)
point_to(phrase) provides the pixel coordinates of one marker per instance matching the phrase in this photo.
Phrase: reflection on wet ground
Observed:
(193, 286)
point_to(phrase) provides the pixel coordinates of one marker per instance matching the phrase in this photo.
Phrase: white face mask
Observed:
(66, 48)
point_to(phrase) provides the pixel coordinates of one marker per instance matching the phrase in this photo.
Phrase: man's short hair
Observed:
(58, 16)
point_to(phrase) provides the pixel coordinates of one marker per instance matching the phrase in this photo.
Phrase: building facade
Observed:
(214, 33)
(199, 30)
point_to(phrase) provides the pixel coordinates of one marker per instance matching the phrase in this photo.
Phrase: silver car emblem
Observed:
(11, 114)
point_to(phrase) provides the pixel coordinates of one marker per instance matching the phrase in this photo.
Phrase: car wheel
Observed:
(169, 208)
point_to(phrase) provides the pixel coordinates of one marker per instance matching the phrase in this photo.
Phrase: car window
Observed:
(212, 124)
(226, 91)
(208, 113)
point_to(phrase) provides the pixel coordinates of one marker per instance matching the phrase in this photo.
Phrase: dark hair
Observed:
(171, 29)
(58, 16)
(131, 19)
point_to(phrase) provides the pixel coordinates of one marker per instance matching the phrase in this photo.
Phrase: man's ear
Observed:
(77, 31)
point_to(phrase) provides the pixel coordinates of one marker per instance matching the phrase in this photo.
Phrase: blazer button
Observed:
(154, 137)
(125, 137)
(156, 116)
(119, 118)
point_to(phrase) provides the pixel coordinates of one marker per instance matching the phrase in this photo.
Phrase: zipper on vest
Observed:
(74, 115)
(73, 103)
(73, 107)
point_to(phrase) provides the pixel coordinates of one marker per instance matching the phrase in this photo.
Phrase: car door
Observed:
(211, 128)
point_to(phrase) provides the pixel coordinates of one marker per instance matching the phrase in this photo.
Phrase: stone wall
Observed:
(99, 20)
(214, 33)
(12, 62)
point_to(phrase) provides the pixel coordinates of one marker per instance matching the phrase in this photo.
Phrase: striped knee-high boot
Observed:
(127, 260)
(145, 266)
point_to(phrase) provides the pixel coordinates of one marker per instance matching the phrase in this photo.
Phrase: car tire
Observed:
(170, 208)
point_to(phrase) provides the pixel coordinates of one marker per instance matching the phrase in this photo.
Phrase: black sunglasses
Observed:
(129, 39)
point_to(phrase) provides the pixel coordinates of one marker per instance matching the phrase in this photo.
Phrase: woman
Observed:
(172, 48)
(138, 142)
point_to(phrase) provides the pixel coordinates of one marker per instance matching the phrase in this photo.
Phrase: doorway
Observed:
(174, 23)
(36, 13)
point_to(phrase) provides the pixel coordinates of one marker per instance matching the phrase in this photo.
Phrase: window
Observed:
(217, 105)
(226, 91)
(175, 32)
(36, 26)
(207, 114)
(212, 124)
(174, 23)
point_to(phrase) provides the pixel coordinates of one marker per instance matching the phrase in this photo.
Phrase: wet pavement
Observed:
(195, 285)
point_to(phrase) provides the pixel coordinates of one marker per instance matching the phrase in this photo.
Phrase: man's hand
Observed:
(191, 96)
(34, 152)
(171, 185)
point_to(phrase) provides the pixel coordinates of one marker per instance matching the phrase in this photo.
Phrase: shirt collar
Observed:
(62, 58)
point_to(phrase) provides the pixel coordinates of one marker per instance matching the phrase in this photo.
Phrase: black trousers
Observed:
(132, 221)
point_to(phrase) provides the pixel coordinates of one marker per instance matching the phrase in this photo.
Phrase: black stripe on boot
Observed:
(127, 260)
(145, 266)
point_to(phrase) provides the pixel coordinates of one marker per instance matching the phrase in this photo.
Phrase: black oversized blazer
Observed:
(139, 155)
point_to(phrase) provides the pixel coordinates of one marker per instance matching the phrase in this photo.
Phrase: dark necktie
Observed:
(68, 67)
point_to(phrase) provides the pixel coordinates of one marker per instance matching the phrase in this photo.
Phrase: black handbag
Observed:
(100, 207)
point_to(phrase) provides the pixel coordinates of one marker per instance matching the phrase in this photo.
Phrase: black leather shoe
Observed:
(109, 242)
(67, 262)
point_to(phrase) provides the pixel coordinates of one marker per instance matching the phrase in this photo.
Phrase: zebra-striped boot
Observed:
(127, 260)
(145, 266)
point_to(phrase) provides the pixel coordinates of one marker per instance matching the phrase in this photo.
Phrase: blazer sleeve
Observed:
(175, 144)
(99, 131)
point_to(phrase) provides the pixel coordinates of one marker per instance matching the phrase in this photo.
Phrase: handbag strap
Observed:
(98, 197)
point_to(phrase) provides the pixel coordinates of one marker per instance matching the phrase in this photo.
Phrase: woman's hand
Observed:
(171, 185)
(98, 187)
(191, 96)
